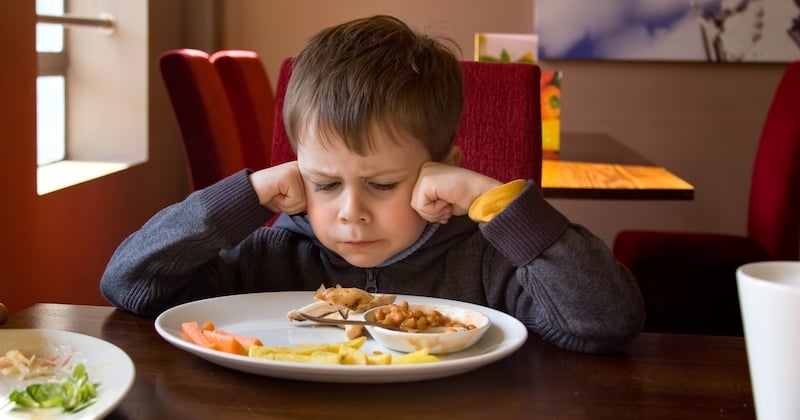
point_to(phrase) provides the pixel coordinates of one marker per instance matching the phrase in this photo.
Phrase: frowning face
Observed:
(360, 206)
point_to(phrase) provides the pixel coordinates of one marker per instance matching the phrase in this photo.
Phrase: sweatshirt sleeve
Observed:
(186, 251)
(568, 286)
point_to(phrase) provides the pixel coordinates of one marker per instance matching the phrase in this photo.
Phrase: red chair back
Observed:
(500, 131)
(774, 206)
(281, 148)
(500, 128)
(205, 118)
(250, 95)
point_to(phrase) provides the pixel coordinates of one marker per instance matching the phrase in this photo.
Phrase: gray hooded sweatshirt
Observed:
(529, 261)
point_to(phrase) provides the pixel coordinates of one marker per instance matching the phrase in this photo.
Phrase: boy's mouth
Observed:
(358, 244)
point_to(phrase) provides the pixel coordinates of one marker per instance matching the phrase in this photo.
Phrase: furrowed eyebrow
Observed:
(323, 174)
(314, 172)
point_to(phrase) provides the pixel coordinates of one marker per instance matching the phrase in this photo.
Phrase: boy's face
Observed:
(360, 206)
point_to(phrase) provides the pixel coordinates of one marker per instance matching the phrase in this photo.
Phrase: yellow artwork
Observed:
(550, 92)
(509, 48)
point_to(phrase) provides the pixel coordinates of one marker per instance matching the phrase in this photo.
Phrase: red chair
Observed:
(688, 278)
(250, 95)
(281, 149)
(500, 128)
(208, 129)
(500, 131)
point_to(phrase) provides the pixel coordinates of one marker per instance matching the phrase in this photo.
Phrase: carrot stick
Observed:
(225, 342)
(210, 337)
(192, 331)
(245, 341)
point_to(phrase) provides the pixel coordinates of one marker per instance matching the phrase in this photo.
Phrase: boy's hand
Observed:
(280, 188)
(444, 190)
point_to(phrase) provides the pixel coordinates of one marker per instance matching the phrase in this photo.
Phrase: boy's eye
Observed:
(325, 187)
(384, 187)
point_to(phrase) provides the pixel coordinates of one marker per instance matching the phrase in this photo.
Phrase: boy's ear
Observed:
(453, 156)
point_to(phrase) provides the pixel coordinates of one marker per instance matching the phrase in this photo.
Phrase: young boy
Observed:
(378, 202)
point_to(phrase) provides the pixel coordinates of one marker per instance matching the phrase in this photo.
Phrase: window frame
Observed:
(103, 133)
(52, 63)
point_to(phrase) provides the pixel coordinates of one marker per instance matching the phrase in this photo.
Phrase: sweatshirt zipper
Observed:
(372, 280)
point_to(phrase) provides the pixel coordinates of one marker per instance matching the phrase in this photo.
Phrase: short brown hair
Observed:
(375, 72)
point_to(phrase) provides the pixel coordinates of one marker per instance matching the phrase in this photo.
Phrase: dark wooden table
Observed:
(596, 166)
(658, 376)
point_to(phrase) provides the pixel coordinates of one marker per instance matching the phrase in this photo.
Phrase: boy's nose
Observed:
(353, 209)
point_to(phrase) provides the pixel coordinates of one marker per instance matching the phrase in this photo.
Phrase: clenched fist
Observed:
(443, 191)
(280, 188)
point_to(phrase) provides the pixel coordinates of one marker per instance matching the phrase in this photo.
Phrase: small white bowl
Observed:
(436, 342)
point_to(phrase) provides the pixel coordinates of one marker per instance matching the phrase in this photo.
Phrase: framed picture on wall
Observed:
(518, 48)
(669, 30)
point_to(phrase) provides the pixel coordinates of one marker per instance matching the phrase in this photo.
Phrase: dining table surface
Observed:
(656, 376)
(598, 166)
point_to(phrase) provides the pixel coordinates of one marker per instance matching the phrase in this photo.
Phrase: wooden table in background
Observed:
(658, 376)
(595, 166)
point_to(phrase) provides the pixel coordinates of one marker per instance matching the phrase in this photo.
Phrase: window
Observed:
(92, 96)
(50, 86)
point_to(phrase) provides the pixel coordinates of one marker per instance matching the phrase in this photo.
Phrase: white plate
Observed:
(106, 364)
(263, 315)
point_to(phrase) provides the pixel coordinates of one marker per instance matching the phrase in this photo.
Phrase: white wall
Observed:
(702, 121)
(104, 68)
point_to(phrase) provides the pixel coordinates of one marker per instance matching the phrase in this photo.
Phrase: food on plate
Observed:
(419, 356)
(352, 298)
(15, 363)
(418, 319)
(341, 300)
(344, 353)
(439, 328)
(339, 303)
(212, 338)
(71, 394)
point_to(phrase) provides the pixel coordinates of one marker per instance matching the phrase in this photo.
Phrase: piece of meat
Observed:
(352, 298)
(338, 302)
(319, 308)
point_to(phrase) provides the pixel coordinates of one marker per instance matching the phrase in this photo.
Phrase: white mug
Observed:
(769, 296)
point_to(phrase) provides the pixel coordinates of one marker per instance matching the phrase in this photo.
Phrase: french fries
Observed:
(419, 356)
(343, 353)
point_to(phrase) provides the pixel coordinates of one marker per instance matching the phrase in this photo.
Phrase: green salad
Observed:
(72, 394)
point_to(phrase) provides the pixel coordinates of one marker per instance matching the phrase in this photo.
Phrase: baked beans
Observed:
(417, 320)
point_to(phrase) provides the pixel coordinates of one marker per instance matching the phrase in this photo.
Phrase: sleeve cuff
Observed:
(492, 202)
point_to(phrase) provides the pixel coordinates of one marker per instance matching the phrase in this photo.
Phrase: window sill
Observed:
(66, 173)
